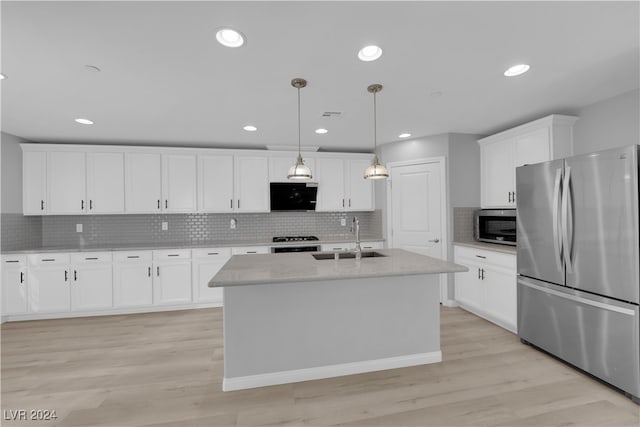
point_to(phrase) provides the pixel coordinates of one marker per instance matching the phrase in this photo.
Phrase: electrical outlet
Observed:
(233, 223)
(78, 228)
(343, 222)
(165, 225)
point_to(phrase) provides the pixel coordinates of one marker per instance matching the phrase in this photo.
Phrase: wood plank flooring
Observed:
(165, 369)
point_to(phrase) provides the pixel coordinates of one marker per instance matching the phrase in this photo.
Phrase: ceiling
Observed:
(165, 80)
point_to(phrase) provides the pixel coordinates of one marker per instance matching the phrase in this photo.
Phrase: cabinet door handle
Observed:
(482, 270)
(90, 204)
(66, 275)
(22, 277)
(75, 275)
(158, 271)
(252, 252)
(41, 205)
(158, 204)
(478, 273)
(343, 203)
(238, 203)
(480, 256)
(436, 240)
(166, 204)
(349, 202)
(149, 273)
(81, 205)
(231, 203)
(513, 198)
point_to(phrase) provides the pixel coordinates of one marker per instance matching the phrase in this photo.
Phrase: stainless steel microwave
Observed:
(496, 226)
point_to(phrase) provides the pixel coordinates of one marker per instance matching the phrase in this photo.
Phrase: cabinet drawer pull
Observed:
(208, 253)
(252, 252)
(92, 258)
(12, 260)
(173, 255)
(22, 277)
(481, 256)
(133, 256)
(49, 259)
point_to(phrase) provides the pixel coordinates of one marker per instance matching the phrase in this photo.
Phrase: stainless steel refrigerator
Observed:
(578, 263)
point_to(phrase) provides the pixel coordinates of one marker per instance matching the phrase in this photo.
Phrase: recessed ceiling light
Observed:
(2, 77)
(516, 70)
(84, 121)
(404, 135)
(321, 131)
(370, 53)
(229, 38)
(250, 128)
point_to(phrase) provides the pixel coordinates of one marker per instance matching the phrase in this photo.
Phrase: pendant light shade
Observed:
(375, 170)
(299, 170)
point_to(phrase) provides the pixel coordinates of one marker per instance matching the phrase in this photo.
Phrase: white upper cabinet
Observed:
(66, 189)
(251, 184)
(105, 183)
(34, 189)
(359, 191)
(215, 183)
(545, 139)
(279, 167)
(341, 185)
(143, 182)
(179, 183)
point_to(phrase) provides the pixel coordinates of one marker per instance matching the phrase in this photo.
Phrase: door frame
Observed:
(444, 208)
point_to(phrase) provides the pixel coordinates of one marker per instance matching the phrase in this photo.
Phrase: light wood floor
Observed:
(165, 369)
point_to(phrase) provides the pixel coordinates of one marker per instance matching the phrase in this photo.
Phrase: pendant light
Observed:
(375, 170)
(299, 170)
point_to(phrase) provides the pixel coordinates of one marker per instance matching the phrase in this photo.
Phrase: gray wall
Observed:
(610, 123)
(11, 155)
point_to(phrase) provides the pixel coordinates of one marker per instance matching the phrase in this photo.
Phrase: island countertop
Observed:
(303, 267)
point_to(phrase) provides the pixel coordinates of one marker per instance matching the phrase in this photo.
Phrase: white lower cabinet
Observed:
(172, 279)
(91, 281)
(132, 280)
(14, 284)
(248, 250)
(365, 246)
(488, 289)
(205, 264)
(48, 284)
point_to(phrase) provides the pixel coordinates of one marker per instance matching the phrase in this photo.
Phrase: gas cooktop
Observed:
(294, 239)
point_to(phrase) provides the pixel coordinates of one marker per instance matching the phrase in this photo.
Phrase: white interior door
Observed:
(416, 202)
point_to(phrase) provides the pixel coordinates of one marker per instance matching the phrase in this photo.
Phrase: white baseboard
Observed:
(450, 303)
(320, 372)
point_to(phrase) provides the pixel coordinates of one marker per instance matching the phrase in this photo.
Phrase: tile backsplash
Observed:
(463, 224)
(32, 232)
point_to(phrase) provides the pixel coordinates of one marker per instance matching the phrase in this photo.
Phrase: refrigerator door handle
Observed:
(557, 242)
(566, 200)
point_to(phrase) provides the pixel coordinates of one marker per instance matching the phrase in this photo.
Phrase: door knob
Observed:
(436, 240)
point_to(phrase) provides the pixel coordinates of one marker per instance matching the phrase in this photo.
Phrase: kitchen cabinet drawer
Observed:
(49, 259)
(371, 245)
(211, 253)
(487, 256)
(171, 254)
(132, 256)
(332, 247)
(91, 258)
(14, 260)
(248, 250)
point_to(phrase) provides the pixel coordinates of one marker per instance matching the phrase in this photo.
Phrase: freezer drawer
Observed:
(598, 335)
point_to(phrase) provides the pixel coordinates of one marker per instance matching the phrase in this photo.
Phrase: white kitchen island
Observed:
(290, 317)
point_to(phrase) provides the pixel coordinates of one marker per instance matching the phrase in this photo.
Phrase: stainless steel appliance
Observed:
(293, 196)
(296, 248)
(578, 263)
(495, 226)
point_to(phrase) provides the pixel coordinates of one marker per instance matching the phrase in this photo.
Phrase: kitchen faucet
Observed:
(355, 227)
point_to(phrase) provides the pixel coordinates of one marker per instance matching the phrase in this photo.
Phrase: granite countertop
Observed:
(303, 267)
(183, 245)
(506, 249)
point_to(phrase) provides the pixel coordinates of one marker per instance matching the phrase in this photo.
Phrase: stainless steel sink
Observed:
(344, 255)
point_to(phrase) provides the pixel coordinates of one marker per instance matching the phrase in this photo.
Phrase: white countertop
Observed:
(303, 267)
(182, 245)
(505, 249)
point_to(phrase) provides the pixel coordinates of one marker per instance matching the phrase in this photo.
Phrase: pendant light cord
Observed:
(375, 123)
(298, 121)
